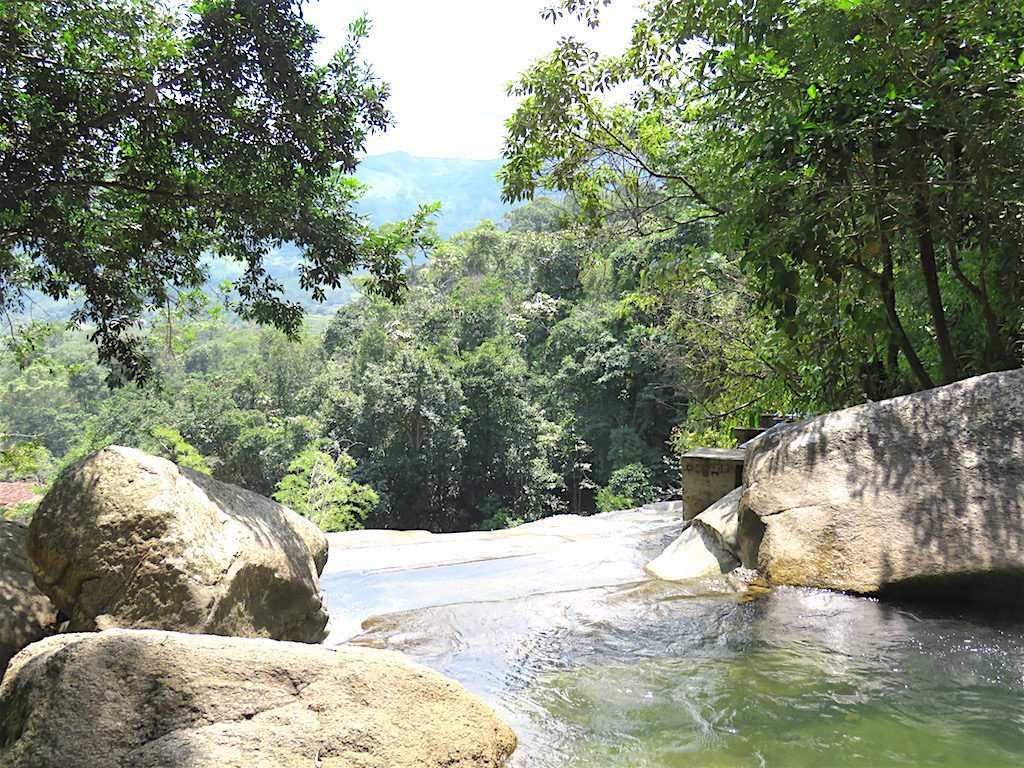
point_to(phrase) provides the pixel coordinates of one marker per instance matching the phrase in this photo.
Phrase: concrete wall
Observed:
(708, 475)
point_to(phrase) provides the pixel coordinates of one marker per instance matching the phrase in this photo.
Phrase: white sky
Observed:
(448, 62)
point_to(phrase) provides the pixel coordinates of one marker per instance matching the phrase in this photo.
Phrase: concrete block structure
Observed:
(743, 434)
(708, 475)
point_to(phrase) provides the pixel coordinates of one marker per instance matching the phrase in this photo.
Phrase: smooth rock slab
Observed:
(921, 495)
(26, 614)
(125, 539)
(707, 547)
(152, 699)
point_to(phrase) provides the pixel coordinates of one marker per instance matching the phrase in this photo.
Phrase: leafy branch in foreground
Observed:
(135, 138)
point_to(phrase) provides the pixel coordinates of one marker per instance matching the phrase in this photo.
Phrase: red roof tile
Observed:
(13, 494)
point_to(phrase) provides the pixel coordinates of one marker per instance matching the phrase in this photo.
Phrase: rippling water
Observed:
(593, 665)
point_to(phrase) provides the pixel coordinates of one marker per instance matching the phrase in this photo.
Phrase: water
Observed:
(594, 665)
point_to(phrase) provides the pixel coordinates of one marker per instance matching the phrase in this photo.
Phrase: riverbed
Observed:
(594, 664)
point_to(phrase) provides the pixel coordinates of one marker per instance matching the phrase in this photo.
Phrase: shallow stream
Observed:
(593, 664)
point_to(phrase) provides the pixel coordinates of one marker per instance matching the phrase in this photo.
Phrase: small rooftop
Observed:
(719, 454)
(13, 494)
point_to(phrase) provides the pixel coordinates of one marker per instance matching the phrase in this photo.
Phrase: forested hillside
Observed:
(398, 183)
(525, 373)
(821, 211)
(795, 225)
(857, 162)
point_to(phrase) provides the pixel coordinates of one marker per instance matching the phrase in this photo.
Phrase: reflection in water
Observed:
(651, 674)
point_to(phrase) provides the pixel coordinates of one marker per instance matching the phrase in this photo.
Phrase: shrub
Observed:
(629, 486)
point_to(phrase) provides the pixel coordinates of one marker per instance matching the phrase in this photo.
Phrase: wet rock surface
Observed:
(709, 545)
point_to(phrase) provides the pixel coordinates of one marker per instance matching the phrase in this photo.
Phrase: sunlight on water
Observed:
(659, 675)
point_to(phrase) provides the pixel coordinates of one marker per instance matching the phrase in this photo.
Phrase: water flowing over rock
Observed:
(26, 614)
(125, 539)
(707, 547)
(595, 666)
(376, 572)
(153, 699)
(920, 495)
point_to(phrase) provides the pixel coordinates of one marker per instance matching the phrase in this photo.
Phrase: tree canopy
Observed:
(785, 205)
(513, 382)
(137, 138)
(859, 161)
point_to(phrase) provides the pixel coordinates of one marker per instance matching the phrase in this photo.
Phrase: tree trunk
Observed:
(886, 284)
(889, 300)
(930, 272)
(997, 348)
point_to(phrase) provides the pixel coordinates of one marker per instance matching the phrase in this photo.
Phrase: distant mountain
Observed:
(398, 182)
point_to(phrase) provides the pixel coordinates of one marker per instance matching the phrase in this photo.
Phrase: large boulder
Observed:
(26, 614)
(920, 495)
(707, 547)
(125, 539)
(153, 699)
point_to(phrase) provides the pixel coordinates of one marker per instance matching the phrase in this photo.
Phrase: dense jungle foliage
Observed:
(139, 138)
(525, 374)
(857, 161)
(792, 205)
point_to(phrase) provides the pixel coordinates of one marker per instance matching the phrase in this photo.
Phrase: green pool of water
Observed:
(660, 675)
